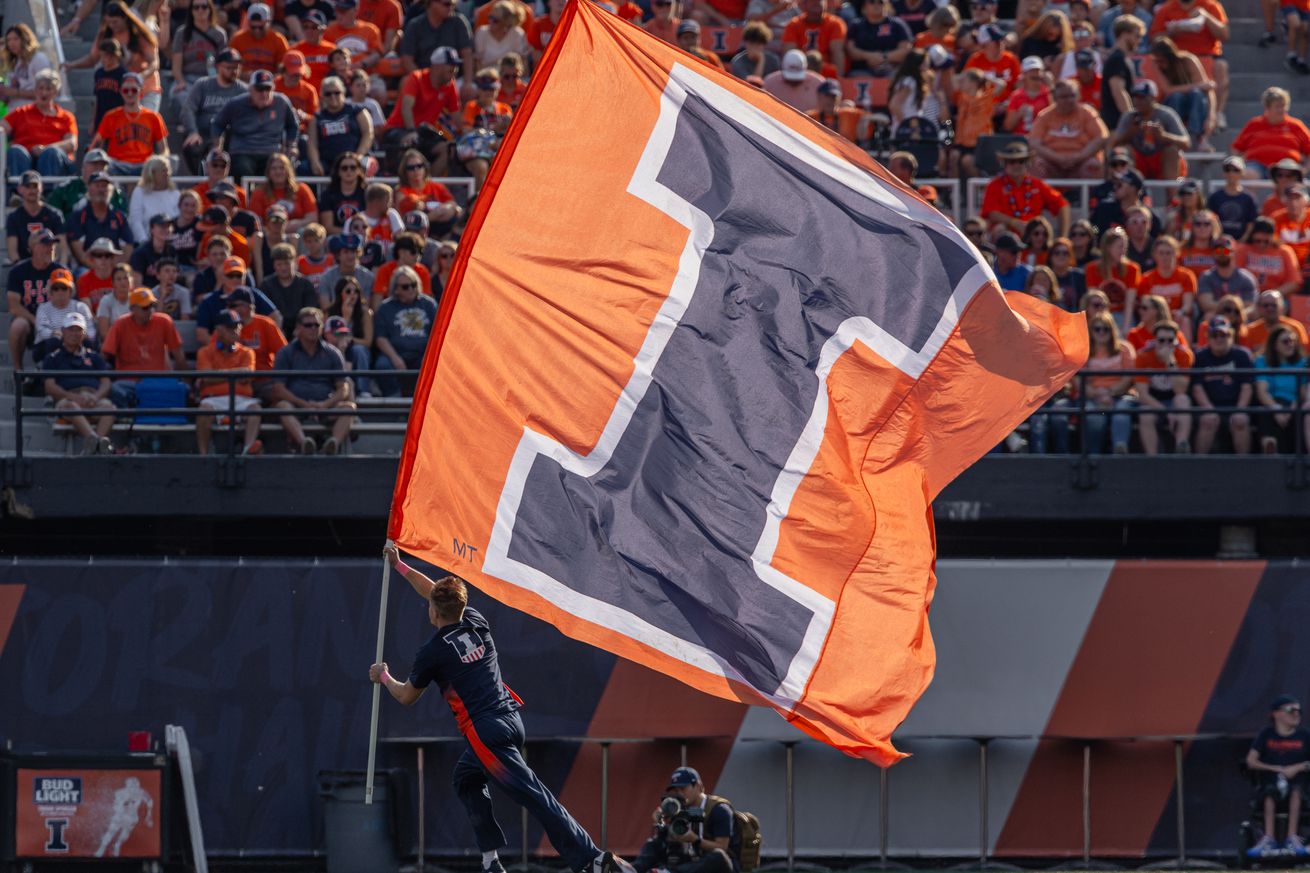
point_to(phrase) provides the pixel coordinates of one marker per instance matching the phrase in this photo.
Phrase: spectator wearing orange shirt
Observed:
(386, 16)
(1068, 137)
(1269, 314)
(663, 23)
(975, 104)
(1272, 263)
(1292, 225)
(689, 41)
(43, 134)
(260, 333)
(1014, 198)
(131, 133)
(816, 29)
(226, 352)
(1199, 27)
(360, 38)
(314, 48)
(406, 252)
(144, 339)
(541, 28)
(260, 46)
(483, 114)
(1175, 283)
(941, 25)
(1087, 78)
(1028, 99)
(280, 187)
(1168, 352)
(991, 59)
(299, 91)
(1115, 275)
(847, 119)
(1272, 136)
(1284, 175)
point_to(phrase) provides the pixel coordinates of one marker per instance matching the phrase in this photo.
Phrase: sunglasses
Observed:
(278, 219)
(334, 93)
(126, 91)
(445, 256)
(311, 324)
(1292, 710)
(345, 167)
(199, 6)
(1061, 253)
(101, 255)
(1100, 330)
(1232, 169)
(1081, 233)
(413, 167)
(1287, 341)
(1165, 341)
(406, 286)
(237, 273)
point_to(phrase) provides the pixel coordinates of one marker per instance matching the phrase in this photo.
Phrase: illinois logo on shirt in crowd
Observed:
(696, 415)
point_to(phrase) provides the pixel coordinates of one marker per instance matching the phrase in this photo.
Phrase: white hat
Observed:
(794, 66)
(1031, 63)
(259, 10)
(75, 319)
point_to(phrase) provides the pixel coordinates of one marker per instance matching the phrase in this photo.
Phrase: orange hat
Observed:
(234, 265)
(142, 297)
(61, 277)
(293, 62)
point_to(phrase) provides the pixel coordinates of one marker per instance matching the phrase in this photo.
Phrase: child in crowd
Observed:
(174, 299)
(108, 78)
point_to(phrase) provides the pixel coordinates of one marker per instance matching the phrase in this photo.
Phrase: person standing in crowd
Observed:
(204, 99)
(193, 43)
(261, 47)
(255, 126)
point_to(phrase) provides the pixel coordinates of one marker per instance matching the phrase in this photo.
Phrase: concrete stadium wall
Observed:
(263, 663)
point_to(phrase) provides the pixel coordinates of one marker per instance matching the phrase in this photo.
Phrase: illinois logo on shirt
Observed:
(467, 645)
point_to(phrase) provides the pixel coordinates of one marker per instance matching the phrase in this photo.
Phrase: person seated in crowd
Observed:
(144, 261)
(1168, 391)
(1011, 273)
(296, 386)
(361, 38)
(1154, 133)
(71, 195)
(97, 220)
(1143, 227)
(312, 46)
(295, 85)
(346, 249)
(256, 126)
(663, 23)
(280, 186)
(261, 47)
(1292, 224)
(1112, 392)
(1279, 394)
(1279, 758)
(1273, 135)
(204, 100)
(688, 39)
(1233, 203)
(755, 58)
(877, 42)
(338, 333)
(1087, 79)
(288, 291)
(81, 392)
(28, 286)
(1151, 310)
(402, 325)
(115, 301)
(131, 133)
(1171, 281)
(1068, 137)
(815, 28)
(1199, 27)
(1116, 275)
(217, 168)
(441, 26)
(1225, 279)
(31, 214)
(406, 252)
(51, 314)
(154, 194)
(261, 335)
(795, 83)
(840, 115)
(42, 135)
(484, 122)
(503, 33)
(428, 103)
(1186, 88)
(1032, 96)
(1014, 198)
(1269, 313)
(1219, 383)
(1272, 263)
(418, 191)
(232, 277)
(227, 352)
(1285, 175)
(338, 128)
(144, 339)
(994, 61)
(1046, 38)
(1037, 236)
(174, 298)
(919, 89)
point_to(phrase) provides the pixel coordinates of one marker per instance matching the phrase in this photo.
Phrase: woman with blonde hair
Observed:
(1116, 275)
(141, 44)
(280, 186)
(21, 59)
(502, 34)
(155, 194)
(1109, 392)
(1048, 38)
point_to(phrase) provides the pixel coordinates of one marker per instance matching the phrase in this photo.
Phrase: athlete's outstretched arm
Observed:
(403, 692)
(419, 582)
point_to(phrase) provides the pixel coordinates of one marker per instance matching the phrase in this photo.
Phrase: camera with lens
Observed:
(677, 820)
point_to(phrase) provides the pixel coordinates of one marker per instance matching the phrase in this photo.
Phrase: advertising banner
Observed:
(81, 813)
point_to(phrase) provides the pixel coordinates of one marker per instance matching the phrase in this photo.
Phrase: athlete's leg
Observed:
(496, 742)
(471, 786)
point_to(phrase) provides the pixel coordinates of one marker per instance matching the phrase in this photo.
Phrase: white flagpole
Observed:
(377, 687)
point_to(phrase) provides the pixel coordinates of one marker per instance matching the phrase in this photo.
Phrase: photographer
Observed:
(694, 832)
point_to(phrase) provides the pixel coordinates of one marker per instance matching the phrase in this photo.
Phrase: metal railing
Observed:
(232, 377)
(249, 182)
(973, 197)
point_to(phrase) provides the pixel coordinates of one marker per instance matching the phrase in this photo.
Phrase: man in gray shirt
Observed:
(1226, 278)
(1154, 132)
(255, 126)
(203, 101)
(438, 25)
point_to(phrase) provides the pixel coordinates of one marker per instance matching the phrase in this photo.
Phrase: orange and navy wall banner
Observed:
(703, 368)
(75, 812)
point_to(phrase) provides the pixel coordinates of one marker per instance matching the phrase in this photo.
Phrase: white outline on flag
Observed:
(644, 185)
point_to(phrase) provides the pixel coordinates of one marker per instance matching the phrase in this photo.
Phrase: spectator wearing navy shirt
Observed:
(877, 42)
(98, 219)
(401, 327)
(32, 215)
(1219, 382)
(28, 286)
(1010, 273)
(1235, 206)
(1280, 759)
(89, 391)
(462, 661)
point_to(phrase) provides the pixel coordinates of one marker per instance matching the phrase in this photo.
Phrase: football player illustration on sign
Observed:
(125, 816)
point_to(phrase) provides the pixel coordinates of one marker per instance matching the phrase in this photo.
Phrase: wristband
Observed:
(385, 677)
(401, 567)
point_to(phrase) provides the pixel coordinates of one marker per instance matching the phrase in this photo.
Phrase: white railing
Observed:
(973, 196)
(952, 188)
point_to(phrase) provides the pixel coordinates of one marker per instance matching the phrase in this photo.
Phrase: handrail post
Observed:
(18, 412)
(231, 416)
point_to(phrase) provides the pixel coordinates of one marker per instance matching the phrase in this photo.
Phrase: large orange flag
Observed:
(700, 370)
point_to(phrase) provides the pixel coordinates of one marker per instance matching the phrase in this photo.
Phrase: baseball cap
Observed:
(1008, 242)
(1032, 63)
(105, 244)
(262, 80)
(831, 87)
(983, 2)
(225, 318)
(1219, 324)
(96, 156)
(228, 56)
(343, 241)
(1120, 155)
(214, 215)
(794, 66)
(1134, 178)
(142, 297)
(939, 58)
(277, 209)
(1289, 165)
(416, 220)
(31, 177)
(259, 10)
(61, 277)
(688, 25)
(1145, 88)
(293, 61)
(336, 326)
(44, 236)
(159, 219)
(1234, 162)
(684, 776)
(1189, 187)
(234, 264)
(218, 156)
(132, 79)
(97, 176)
(223, 189)
(1083, 59)
(75, 319)
(989, 33)
(1284, 700)
(444, 56)
(316, 18)
(346, 4)
(241, 294)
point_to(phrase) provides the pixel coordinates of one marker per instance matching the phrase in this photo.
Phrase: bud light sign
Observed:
(57, 790)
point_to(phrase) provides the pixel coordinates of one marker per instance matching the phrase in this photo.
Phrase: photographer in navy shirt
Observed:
(1280, 759)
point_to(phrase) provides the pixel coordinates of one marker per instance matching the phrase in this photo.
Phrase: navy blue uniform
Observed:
(461, 659)
(1280, 751)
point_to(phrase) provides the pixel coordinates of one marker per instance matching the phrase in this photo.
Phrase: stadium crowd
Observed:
(343, 272)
